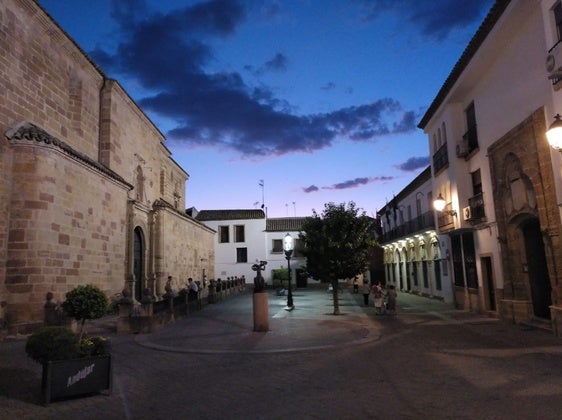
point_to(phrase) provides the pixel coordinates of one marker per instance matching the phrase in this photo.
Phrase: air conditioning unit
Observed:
(462, 149)
(467, 213)
(554, 61)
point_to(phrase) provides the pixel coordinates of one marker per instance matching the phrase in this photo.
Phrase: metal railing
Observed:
(422, 222)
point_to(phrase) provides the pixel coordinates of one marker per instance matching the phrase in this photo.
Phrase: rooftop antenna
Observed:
(295, 209)
(262, 185)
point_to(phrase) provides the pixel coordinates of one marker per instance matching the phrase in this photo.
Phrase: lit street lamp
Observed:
(288, 246)
(439, 204)
(554, 133)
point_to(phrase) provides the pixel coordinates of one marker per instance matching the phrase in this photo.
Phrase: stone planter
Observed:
(70, 378)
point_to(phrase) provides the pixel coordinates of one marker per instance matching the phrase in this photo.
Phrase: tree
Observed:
(85, 302)
(336, 244)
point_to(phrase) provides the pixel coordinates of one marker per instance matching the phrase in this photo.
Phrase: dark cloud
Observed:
(414, 163)
(277, 64)
(312, 188)
(353, 183)
(168, 53)
(434, 18)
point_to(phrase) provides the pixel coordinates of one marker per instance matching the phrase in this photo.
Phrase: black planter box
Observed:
(70, 378)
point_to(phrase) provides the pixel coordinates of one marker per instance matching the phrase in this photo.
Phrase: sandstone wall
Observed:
(67, 227)
(81, 168)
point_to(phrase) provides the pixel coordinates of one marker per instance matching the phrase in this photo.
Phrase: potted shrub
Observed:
(73, 363)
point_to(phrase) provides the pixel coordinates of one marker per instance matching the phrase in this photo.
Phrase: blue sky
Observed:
(320, 99)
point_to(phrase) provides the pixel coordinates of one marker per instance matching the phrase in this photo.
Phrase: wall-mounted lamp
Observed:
(554, 133)
(439, 204)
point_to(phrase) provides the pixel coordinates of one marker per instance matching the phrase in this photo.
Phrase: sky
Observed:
(287, 104)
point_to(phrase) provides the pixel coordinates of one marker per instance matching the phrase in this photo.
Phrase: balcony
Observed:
(470, 139)
(421, 223)
(446, 219)
(477, 211)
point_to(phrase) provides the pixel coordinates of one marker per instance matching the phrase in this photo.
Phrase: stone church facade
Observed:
(89, 193)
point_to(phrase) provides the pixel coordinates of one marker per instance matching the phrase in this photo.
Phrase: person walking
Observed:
(378, 297)
(366, 292)
(391, 300)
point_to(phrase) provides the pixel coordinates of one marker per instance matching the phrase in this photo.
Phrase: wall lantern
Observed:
(439, 204)
(554, 133)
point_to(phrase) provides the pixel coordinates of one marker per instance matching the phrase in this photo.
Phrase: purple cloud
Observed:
(312, 188)
(414, 163)
(353, 183)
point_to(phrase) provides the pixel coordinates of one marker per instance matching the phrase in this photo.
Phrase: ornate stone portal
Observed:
(528, 223)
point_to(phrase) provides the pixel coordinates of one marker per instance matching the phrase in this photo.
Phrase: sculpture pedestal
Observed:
(261, 312)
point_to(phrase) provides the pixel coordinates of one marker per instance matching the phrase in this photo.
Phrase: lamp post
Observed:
(288, 246)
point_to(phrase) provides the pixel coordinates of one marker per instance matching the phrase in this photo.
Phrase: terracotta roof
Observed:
(284, 224)
(240, 214)
(479, 37)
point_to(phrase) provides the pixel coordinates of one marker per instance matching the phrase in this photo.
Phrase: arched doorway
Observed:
(537, 270)
(138, 262)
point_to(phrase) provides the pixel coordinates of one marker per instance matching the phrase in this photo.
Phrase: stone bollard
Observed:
(52, 313)
(261, 312)
(125, 305)
(212, 293)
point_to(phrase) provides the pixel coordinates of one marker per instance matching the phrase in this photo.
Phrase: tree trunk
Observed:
(335, 297)
(81, 334)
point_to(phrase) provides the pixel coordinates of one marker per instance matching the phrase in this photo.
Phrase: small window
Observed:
(471, 135)
(277, 246)
(241, 255)
(239, 233)
(140, 184)
(224, 234)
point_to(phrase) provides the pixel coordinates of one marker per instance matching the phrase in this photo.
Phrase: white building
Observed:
(245, 237)
(415, 256)
(493, 166)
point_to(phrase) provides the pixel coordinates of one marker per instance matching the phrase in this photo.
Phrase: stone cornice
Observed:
(27, 132)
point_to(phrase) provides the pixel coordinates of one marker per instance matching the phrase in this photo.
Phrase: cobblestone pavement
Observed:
(427, 362)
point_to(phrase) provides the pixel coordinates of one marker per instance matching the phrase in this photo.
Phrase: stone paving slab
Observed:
(227, 327)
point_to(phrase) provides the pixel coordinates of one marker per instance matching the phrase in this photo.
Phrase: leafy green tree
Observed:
(280, 276)
(336, 244)
(85, 302)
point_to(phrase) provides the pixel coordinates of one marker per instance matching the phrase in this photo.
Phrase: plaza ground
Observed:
(429, 361)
